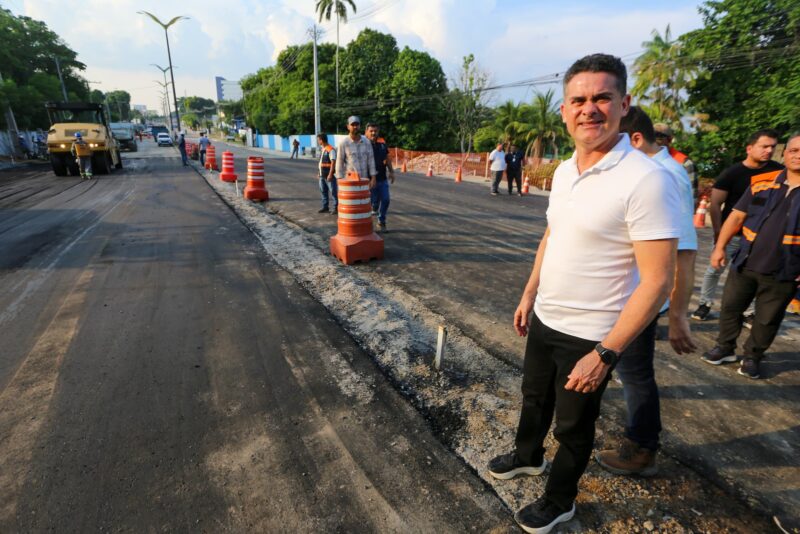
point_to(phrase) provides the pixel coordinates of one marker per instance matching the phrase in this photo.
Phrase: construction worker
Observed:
(83, 156)
(327, 176)
(379, 186)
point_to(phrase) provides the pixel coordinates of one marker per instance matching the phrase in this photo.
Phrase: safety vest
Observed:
(766, 190)
(325, 161)
(81, 148)
(680, 157)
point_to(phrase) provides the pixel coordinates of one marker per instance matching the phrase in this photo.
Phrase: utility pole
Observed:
(61, 79)
(317, 127)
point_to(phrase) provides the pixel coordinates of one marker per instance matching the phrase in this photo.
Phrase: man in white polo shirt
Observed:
(604, 267)
(636, 452)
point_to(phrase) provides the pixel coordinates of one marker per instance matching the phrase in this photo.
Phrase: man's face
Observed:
(319, 142)
(791, 156)
(761, 151)
(354, 128)
(593, 108)
(372, 133)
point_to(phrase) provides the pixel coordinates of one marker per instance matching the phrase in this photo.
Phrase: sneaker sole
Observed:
(646, 472)
(748, 376)
(698, 318)
(527, 470)
(563, 518)
(726, 359)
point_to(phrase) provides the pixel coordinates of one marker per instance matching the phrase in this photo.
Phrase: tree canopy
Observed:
(28, 49)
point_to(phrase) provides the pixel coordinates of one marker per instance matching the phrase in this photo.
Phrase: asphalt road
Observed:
(159, 373)
(467, 255)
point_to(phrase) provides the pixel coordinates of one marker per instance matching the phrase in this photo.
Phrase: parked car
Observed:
(163, 139)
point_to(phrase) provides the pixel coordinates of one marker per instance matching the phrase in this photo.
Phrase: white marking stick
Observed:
(440, 344)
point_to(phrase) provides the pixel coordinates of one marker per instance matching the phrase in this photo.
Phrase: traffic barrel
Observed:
(211, 158)
(227, 174)
(526, 184)
(355, 240)
(430, 170)
(458, 175)
(700, 214)
(255, 189)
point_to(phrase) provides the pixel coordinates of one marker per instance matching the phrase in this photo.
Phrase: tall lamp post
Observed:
(165, 85)
(166, 97)
(169, 56)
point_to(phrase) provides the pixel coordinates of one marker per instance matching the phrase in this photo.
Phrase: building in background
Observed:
(141, 108)
(227, 89)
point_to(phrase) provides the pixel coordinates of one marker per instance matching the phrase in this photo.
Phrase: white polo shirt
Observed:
(589, 270)
(498, 160)
(688, 237)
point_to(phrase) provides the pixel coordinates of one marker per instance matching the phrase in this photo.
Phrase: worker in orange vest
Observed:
(664, 138)
(327, 179)
(83, 154)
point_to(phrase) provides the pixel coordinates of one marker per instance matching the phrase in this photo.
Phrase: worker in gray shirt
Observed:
(355, 153)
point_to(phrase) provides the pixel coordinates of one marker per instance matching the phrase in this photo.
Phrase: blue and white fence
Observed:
(284, 144)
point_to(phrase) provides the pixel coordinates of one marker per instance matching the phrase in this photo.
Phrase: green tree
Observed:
(467, 102)
(326, 8)
(27, 51)
(748, 79)
(546, 127)
(119, 105)
(663, 74)
(411, 102)
(368, 63)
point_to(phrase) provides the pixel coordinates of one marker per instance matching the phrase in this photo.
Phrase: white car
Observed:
(163, 139)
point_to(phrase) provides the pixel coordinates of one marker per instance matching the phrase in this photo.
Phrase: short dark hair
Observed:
(600, 63)
(766, 132)
(372, 125)
(793, 135)
(323, 137)
(638, 121)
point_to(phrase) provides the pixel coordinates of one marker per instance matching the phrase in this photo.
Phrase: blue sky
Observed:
(512, 39)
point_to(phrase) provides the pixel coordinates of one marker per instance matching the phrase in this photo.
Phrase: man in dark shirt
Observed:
(379, 185)
(767, 265)
(514, 161)
(727, 191)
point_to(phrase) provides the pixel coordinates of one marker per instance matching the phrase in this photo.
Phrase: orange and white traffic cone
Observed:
(458, 175)
(526, 184)
(700, 214)
(404, 168)
(430, 170)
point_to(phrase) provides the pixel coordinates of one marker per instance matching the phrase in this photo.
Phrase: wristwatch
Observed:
(608, 356)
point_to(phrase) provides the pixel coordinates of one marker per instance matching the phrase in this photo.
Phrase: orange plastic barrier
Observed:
(356, 240)
(227, 174)
(430, 170)
(700, 214)
(255, 189)
(526, 184)
(211, 158)
(458, 175)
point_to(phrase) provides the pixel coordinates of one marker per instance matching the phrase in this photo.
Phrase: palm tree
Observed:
(544, 124)
(327, 7)
(662, 76)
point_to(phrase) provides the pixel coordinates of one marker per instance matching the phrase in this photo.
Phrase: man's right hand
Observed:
(522, 315)
(718, 258)
(373, 182)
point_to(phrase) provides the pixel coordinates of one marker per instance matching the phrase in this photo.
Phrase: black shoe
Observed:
(520, 193)
(701, 313)
(323, 210)
(382, 228)
(541, 516)
(494, 193)
(749, 368)
(717, 356)
(335, 211)
(374, 212)
(507, 466)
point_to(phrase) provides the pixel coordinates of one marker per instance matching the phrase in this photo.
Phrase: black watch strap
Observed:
(608, 356)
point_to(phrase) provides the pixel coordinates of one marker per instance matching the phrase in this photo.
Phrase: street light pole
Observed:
(61, 79)
(166, 93)
(169, 57)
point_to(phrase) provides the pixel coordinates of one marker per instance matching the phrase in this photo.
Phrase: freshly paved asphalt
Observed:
(468, 255)
(159, 373)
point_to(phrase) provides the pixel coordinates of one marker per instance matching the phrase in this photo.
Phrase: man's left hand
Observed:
(373, 182)
(680, 335)
(588, 374)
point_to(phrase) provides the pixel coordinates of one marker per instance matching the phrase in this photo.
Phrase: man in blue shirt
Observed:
(379, 185)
